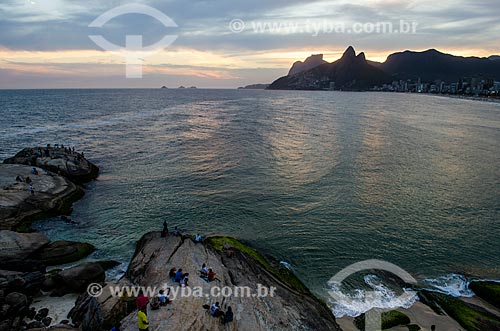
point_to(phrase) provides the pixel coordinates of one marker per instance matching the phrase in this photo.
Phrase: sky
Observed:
(223, 43)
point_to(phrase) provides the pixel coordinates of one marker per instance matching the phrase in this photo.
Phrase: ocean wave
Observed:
(455, 285)
(286, 265)
(356, 302)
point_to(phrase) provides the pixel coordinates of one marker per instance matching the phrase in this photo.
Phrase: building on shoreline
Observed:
(469, 86)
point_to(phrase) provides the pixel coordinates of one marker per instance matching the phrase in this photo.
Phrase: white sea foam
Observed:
(452, 284)
(286, 265)
(357, 302)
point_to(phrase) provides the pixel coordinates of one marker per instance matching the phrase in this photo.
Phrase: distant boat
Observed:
(193, 87)
(181, 86)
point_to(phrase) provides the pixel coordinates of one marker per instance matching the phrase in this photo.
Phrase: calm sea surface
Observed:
(317, 179)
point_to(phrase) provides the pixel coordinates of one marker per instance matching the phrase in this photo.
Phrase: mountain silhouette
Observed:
(350, 72)
(354, 72)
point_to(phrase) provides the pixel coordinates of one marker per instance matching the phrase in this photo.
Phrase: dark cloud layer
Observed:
(204, 24)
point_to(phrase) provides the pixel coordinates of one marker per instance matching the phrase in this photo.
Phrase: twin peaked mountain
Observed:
(354, 72)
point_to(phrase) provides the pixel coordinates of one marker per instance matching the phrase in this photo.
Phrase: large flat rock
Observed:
(15, 245)
(288, 309)
(53, 195)
(63, 161)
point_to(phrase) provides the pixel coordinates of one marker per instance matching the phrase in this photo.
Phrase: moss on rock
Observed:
(282, 273)
(471, 317)
(390, 319)
(488, 291)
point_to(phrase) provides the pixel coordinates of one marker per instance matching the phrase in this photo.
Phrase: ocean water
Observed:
(318, 180)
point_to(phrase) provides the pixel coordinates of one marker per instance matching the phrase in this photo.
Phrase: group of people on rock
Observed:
(28, 180)
(207, 273)
(179, 276)
(142, 301)
(45, 152)
(182, 278)
(216, 311)
(176, 232)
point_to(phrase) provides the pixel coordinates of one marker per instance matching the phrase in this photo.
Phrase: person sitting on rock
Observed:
(28, 180)
(178, 275)
(19, 179)
(211, 275)
(176, 232)
(197, 238)
(215, 309)
(228, 316)
(31, 189)
(172, 272)
(184, 281)
(142, 320)
(164, 300)
(204, 271)
(142, 301)
(155, 303)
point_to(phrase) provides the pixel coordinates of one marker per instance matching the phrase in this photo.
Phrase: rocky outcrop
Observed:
(470, 316)
(101, 312)
(76, 279)
(290, 307)
(62, 161)
(52, 195)
(488, 291)
(62, 252)
(20, 245)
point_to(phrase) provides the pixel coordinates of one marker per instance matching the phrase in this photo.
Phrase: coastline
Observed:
(145, 269)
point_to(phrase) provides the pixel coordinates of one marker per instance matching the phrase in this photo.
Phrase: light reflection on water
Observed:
(320, 180)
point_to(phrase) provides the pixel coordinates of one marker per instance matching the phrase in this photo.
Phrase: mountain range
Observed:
(354, 72)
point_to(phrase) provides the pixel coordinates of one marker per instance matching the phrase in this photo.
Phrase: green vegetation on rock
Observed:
(471, 317)
(488, 291)
(282, 273)
(390, 319)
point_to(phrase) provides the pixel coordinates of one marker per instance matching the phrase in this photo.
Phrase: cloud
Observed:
(205, 40)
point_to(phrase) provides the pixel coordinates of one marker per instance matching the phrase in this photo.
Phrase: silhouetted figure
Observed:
(172, 273)
(228, 315)
(433, 328)
(164, 232)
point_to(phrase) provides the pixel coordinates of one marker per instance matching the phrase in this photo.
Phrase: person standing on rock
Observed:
(142, 301)
(31, 189)
(164, 232)
(142, 320)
